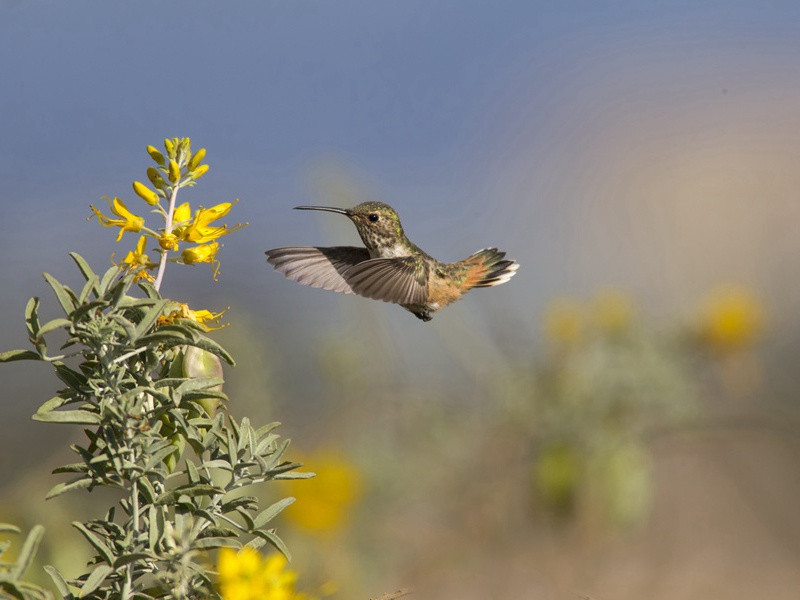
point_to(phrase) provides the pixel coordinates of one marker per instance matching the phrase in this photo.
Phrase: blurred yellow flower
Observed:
(563, 321)
(246, 575)
(612, 310)
(137, 259)
(732, 317)
(127, 222)
(324, 502)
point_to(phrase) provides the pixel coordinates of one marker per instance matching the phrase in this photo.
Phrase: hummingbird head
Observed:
(378, 225)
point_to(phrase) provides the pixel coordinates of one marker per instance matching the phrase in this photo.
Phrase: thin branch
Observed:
(162, 265)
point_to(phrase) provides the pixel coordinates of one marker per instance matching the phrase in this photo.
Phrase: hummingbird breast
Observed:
(387, 244)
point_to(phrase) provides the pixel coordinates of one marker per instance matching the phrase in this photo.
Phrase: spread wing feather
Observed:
(318, 267)
(398, 280)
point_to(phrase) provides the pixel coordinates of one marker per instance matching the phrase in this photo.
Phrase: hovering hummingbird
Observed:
(391, 267)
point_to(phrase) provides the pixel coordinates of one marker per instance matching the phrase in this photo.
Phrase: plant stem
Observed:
(162, 265)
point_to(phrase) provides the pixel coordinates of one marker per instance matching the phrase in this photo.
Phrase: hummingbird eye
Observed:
(372, 217)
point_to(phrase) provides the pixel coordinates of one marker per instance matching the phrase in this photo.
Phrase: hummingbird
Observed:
(390, 267)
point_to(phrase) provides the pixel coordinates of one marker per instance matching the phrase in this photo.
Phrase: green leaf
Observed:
(272, 537)
(90, 287)
(60, 488)
(248, 502)
(32, 316)
(271, 512)
(160, 337)
(216, 542)
(53, 403)
(71, 377)
(255, 543)
(58, 581)
(107, 280)
(150, 318)
(210, 345)
(83, 266)
(156, 523)
(198, 384)
(85, 308)
(75, 417)
(71, 468)
(265, 429)
(295, 474)
(53, 325)
(27, 552)
(95, 580)
(148, 289)
(156, 457)
(128, 326)
(62, 294)
(146, 490)
(192, 491)
(13, 355)
(9, 528)
(126, 559)
(191, 473)
(95, 541)
(119, 290)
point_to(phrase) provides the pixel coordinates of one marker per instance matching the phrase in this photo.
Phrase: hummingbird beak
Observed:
(341, 211)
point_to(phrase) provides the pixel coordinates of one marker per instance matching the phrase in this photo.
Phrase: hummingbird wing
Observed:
(399, 280)
(318, 267)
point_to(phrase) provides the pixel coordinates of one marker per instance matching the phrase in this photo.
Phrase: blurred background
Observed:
(619, 421)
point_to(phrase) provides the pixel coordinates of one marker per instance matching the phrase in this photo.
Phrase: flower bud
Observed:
(170, 147)
(156, 155)
(174, 172)
(184, 149)
(156, 179)
(197, 158)
(145, 193)
(199, 172)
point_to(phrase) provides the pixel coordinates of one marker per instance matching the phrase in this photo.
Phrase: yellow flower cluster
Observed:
(566, 321)
(246, 575)
(180, 168)
(325, 501)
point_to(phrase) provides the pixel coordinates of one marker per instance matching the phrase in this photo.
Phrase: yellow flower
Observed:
(246, 575)
(205, 253)
(168, 241)
(183, 212)
(201, 316)
(732, 317)
(200, 229)
(137, 260)
(612, 311)
(563, 321)
(127, 222)
(324, 502)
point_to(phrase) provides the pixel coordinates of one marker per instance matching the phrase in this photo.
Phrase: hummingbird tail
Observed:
(489, 268)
